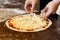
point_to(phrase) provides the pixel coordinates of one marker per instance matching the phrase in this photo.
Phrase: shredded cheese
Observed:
(28, 21)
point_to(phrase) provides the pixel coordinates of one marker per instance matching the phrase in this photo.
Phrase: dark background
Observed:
(43, 3)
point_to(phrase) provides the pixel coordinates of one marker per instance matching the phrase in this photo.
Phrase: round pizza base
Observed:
(50, 23)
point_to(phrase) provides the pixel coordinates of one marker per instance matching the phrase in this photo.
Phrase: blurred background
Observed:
(14, 4)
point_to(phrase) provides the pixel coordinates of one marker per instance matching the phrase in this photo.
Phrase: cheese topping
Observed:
(28, 22)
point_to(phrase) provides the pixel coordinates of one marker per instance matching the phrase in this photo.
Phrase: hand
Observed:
(30, 5)
(50, 8)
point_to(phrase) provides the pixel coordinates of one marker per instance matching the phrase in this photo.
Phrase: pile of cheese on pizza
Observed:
(28, 22)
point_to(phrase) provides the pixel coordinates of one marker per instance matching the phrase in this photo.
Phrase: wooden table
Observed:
(48, 34)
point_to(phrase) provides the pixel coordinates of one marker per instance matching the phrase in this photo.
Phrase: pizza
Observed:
(28, 23)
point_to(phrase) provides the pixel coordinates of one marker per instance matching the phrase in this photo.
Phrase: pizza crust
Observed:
(39, 29)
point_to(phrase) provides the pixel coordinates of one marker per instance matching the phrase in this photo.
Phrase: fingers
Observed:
(46, 14)
(43, 15)
(27, 7)
(43, 12)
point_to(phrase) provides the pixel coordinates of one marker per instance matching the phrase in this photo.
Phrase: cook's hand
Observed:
(30, 5)
(50, 8)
